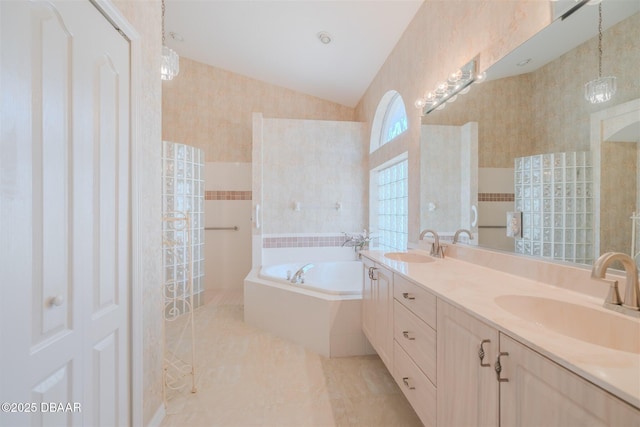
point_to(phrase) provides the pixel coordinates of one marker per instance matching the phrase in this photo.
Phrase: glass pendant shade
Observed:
(170, 66)
(600, 90)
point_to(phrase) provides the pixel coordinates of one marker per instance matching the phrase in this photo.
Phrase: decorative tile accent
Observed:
(496, 197)
(303, 242)
(227, 195)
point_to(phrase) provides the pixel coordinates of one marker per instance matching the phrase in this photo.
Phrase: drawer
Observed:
(419, 391)
(415, 298)
(416, 338)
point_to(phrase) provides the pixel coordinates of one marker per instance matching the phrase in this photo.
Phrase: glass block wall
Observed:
(183, 193)
(554, 192)
(393, 207)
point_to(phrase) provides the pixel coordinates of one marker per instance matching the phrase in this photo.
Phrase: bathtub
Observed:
(323, 314)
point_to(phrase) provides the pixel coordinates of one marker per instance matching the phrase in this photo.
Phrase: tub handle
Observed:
(407, 336)
(408, 383)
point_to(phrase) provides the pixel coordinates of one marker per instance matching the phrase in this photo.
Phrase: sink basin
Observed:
(576, 321)
(408, 257)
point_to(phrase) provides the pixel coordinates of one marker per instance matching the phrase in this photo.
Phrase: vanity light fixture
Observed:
(601, 89)
(170, 63)
(458, 82)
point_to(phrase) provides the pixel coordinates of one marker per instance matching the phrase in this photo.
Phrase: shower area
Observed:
(183, 262)
(554, 195)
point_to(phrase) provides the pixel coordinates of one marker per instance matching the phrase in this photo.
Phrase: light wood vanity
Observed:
(438, 331)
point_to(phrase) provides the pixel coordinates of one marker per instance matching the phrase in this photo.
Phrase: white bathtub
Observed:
(334, 278)
(323, 314)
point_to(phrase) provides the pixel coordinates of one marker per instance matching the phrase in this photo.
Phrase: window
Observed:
(392, 206)
(395, 120)
(389, 121)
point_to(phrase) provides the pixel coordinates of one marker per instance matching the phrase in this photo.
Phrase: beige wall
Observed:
(443, 36)
(145, 16)
(211, 109)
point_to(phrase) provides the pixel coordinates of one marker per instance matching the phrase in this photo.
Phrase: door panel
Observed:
(64, 213)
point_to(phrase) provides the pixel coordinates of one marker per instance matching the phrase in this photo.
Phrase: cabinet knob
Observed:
(481, 353)
(57, 301)
(408, 383)
(407, 295)
(407, 336)
(498, 367)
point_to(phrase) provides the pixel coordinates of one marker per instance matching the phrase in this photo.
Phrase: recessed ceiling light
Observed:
(523, 62)
(177, 37)
(324, 37)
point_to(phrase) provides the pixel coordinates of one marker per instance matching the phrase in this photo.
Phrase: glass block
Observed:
(536, 234)
(527, 205)
(518, 164)
(569, 205)
(558, 251)
(519, 246)
(536, 192)
(537, 220)
(536, 176)
(180, 151)
(588, 159)
(581, 236)
(558, 220)
(558, 159)
(547, 206)
(535, 205)
(558, 175)
(536, 249)
(547, 160)
(588, 174)
(526, 191)
(518, 192)
(518, 177)
(526, 163)
(527, 247)
(169, 186)
(569, 220)
(547, 175)
(526, 178)
(568, 252)
(519, 204)
(526, 220)
(589, 189)
(188, 153)
(580, 220)
(558, 205)
(580, 205)
(558, 235)
(589, 221)
(526, 233)
(546, 249)
(547, 190)
(569, 236)
(570, 175)
(558, 190)
(536, 162)
(547, 235)
(588, 205)
(580, 158)
(570, 159)
(580, 251)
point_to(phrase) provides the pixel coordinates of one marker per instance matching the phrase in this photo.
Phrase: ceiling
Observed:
(276, 41)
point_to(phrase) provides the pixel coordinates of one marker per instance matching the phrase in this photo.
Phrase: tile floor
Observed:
(248, 377)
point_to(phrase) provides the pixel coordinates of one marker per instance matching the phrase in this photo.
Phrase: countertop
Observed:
(474, 289)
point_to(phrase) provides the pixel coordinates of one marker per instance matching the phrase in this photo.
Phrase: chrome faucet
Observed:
(599, 271)
(436, 250)
(456, 236)
(298, 276)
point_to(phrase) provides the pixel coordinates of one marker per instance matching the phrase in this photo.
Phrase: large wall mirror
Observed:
(525, 153)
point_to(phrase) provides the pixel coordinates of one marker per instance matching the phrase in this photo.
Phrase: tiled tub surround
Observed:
(471, 279)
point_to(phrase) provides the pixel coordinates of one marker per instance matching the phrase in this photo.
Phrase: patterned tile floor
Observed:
(248, 377)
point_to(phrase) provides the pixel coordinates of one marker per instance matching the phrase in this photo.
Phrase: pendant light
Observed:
(170, 65)
(601, 89)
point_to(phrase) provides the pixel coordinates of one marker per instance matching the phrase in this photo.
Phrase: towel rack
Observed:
(234, 228)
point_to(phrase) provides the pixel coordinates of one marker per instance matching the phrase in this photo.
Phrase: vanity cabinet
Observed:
(539, 392)
(414, 334)
(377, 309)
(532, 391)
(468, 390)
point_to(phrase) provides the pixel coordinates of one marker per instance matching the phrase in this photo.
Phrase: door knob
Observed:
(58, 300)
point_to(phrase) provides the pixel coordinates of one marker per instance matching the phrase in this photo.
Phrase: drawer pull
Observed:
(408, 383)
(407, 295)
(481, 353)
(407, 336)
(498, 367)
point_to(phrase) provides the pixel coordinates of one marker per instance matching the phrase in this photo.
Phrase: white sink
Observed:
(576, 321)
(408, 257)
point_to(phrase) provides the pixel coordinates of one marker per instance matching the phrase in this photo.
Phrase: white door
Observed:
(64, 216)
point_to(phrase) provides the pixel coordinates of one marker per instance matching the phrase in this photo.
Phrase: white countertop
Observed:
(474, 288)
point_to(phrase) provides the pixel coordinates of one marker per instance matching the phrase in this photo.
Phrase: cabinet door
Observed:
(384, 315)
(467, 387)
(368, 303)
(541, 393)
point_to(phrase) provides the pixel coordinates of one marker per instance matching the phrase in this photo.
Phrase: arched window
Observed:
(389, 121)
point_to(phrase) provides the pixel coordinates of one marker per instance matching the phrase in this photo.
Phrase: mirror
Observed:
(526, 141)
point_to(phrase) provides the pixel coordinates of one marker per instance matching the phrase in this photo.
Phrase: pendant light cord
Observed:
(163, 22)
(599, 40)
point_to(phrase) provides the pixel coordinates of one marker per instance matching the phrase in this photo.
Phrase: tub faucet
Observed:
(456, 236)
(436, 250)
(599, 271)
(298, 276)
